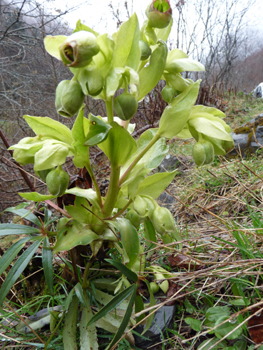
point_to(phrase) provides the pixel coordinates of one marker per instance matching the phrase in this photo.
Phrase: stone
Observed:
(166, 200)
(169, 163)
(163, 320)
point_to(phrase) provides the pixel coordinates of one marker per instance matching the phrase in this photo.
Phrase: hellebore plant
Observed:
(94, 225)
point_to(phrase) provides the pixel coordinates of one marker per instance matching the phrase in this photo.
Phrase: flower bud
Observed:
(159, 13)
(91, 81)
(134, 218)
(57, 181)
(43, 173)
(69, 98)
(168, 94)
(209, 152)
(154, 287)
(162, 220)
(125, 106)
(79, 48)
(145, 49)
(203, 153)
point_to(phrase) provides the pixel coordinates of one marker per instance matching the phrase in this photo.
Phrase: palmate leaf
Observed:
(24, 213)
(17, 269)
(70, 326)
(113, 304)
(126, 318)
(16, 229)
(47, 257)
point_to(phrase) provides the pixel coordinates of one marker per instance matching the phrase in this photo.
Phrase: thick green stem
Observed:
(113, 190)
(87, 273)
(75, 78)
(138, 158)
(94, 181)
(109, 108)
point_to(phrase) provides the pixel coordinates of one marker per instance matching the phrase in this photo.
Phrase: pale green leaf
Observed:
(150, 75)
(210, 128)
(163, 34)
(177, 113)
(175, 54)
(80, 26)
(45, 126)
(227, 328)
(127, 51)
(184, 65)
(119, 145)
(98, 131)
(81, 295)
(104, 58)
(53, 43)
(211, 110)
(25, 213)
(35, 196)
(89, 194)
(195, 324)
(104, 298)
(155, 184)
(53, 153)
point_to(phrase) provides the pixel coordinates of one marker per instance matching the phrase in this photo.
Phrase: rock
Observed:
(166, 200)
(169, 163)
(163, 319)
(244, 137)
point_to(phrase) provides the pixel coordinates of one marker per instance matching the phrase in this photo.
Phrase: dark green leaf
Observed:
(15, 229)
(195, 324)
(152, 303)
(139, 306)
(113, 304)
(11, 253)
(47, 257)
(124, 269)
(98, 131)
(126, 318)
(24, 213)
(17, 269)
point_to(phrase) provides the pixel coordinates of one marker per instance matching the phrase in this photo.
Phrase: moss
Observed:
(250, 129)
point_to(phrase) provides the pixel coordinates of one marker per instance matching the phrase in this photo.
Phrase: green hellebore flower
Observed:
(162, 220)
(145, 49)
(57, 181)
(159, 13)
(79, 48)
(125, 106)
(91, 81)
(69, 98)
(203, 152)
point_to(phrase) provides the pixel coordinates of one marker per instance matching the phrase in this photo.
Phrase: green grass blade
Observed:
(47, 258)
(124, 269)
(126, 318)
(10, 254)
(70, 326)
(88, 334)
(15, 229)
(17, 269)
(24, 213)
(117, 300)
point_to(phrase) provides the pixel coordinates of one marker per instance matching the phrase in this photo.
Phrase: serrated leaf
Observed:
(113, 304)
(17, 269)
(126, 318)
(70, 326)
(45, 126)
(11, 253)
(25, 213)
(195, 324)
(150, 75)
(127, 51)
(15, 229)
(124, 269)
(104, 298)
(47, 258)
(35, 197)
(68, 300)
(88, 334)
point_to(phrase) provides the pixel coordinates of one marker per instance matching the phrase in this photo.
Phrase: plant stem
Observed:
(94, 181)
(113, 190)
(139, 157)
(54, 331)
(109, 108)
(75, 78)
(87, 273)
(121, 211)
